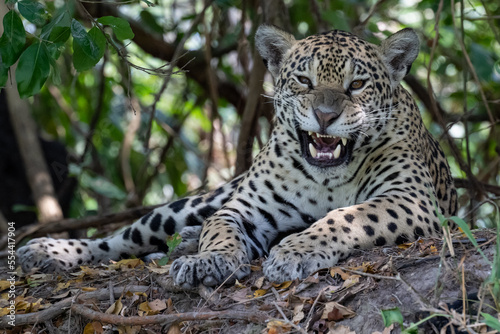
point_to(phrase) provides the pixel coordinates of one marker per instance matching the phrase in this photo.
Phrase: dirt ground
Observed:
(420, 279)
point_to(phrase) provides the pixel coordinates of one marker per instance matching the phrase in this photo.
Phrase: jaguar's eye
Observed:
(357, 84)
(305, 81)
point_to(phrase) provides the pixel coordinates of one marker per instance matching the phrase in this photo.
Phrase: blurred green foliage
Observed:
(99, 70)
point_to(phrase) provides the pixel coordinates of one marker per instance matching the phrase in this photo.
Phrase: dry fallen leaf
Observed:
(283, 285)
(242, 295)
(174, 329)
(128, 329)
(239, 285)
(352, 280)
(115, 308)
(144, 309)
(61, 296)
(387, 330)
(298, 314)
(157, 305)
(259, 293)
(126, 264)
(339, 329)
(337, 271)
(334, 312)
(278, 327)
(93, 328)
(159, 270)
(259, 282)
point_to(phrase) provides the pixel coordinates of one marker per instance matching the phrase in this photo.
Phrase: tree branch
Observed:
(65, 225)
(36, 169)
(193, 62)
(168, 319)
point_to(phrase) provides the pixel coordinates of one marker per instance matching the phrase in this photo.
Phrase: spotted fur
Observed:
(349, 165)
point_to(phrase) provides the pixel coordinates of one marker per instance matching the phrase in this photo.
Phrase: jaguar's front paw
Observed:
(209, 268)
(286, 263)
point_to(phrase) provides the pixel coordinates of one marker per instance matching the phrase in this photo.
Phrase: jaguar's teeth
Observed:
(336, 153)
(312, 150)
(344, 141)
(309, 133)
(325, 136)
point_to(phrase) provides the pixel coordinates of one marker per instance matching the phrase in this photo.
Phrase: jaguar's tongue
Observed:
(324, 147)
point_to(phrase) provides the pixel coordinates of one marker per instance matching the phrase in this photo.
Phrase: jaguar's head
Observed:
(334, 91)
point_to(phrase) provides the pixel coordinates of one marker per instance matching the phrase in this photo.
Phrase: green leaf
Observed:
(32, 70)
(4, 75)
(172, 242)
(23, 208)
(33, 11)
(56, 74)
(149, 21)
(482, 60)
(392, 316)
(88, 48)
(226, 3)
(102, 186)
(149, 3)
(121, 28)
(465, 228)
(12, 40)
(57, 30)
(491, 321)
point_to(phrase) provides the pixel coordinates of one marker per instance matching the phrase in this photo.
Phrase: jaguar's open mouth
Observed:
(325, 150)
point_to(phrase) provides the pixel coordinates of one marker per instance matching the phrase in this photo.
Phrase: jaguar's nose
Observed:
(325, 118)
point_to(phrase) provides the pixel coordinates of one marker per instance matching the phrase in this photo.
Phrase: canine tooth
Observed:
(309, 133)
(312, 150)
(336, 153)
(344, 141)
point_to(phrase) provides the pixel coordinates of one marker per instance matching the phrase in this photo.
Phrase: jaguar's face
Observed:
(333, 90)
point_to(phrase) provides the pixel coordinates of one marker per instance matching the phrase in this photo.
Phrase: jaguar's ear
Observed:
(272, 44)
(398, 52)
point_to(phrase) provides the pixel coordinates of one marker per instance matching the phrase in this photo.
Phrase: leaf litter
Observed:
(129, 296)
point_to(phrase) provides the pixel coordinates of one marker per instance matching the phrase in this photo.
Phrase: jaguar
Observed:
(349, 165)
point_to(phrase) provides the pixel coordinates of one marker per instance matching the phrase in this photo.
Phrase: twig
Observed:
(225, 281)
(40, 316)
(73, 224)
(482, 18)
(173, 63)
(157, 47)
(214, 98)
(168, 319)
(97, 111)
(132, 128)
(174, 132)
(66, 108)
(362, 273)
(462, 183)
(471, 67)
(439, 117)
(288, 322)
(250, 115)
(422, 300)
(311, 311)
(156, 71)
(63, 305)
(358, 30)
(316, 11)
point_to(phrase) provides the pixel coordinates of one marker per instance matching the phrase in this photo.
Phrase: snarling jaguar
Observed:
(349, 165)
